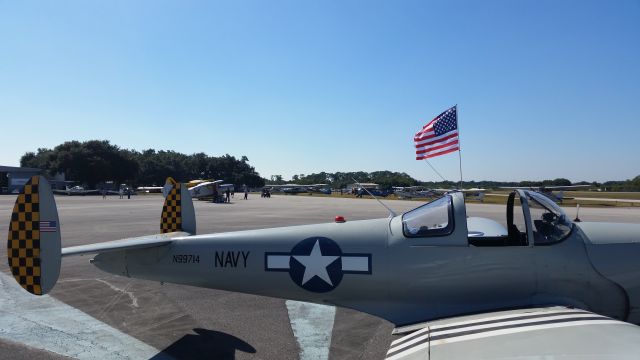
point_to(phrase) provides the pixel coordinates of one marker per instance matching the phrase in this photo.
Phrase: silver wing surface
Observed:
(538, 333)
(141, 242)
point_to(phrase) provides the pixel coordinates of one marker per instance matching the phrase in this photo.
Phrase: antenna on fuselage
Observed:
(391, 212)
(577, 219)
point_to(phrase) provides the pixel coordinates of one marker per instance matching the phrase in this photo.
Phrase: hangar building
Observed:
(12, 179)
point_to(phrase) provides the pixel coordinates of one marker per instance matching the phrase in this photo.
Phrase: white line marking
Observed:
(134, 300)
(525, 329)
(426, 325)
(512, 322)
(472, 327)
(509, 316)
(408, 343)
(43, 322)
(409, 351)
(355, 263)
(500, 332)
(312, 325)
(278, 261)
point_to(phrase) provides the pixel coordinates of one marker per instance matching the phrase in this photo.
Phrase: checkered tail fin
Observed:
(177, 213)
(33, 243)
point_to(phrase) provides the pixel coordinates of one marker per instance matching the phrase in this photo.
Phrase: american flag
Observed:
(439, 136)
(48, 226)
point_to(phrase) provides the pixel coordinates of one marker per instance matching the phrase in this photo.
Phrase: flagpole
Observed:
(459, 144)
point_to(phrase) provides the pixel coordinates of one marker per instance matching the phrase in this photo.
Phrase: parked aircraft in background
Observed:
(149, 189)
(541, 287)
(196, 182)
(413, 192)
(76, 190)
(158, 189)
(474, 193)
(555, 193)
(204, 189)
(319, 188)
(297, 189)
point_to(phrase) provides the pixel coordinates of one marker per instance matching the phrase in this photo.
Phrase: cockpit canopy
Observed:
(432, 219)
(544, 222)
(550, 223)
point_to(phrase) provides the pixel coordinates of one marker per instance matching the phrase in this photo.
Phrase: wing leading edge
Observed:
(124, 244)
(549, 333)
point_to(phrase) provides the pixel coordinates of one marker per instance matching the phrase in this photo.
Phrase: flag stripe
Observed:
(429, 123)
(440, 139)
(433, 148)
(436, 154)
(436, 146)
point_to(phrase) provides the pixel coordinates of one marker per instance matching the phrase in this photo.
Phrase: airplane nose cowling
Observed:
(112, 262)
(614, 250)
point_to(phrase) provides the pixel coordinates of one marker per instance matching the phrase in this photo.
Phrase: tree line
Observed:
(339, 180)
(95, 161)
(389, 179)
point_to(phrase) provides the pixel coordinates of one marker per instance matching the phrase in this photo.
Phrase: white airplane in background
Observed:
(205, 189)
(149, 189)
(476, 193)
(76, 190)
(548, 191)
(412, 192)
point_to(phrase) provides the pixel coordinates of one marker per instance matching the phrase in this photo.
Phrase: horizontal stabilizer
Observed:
(124, 244)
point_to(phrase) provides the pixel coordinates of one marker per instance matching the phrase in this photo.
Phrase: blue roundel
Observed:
(316, 264)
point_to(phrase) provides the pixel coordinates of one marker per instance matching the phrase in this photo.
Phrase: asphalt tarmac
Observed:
(192, 323)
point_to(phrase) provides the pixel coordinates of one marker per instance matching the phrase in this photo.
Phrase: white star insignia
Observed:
(316, 264)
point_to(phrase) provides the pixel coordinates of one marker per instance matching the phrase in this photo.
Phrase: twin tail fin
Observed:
(33, 243)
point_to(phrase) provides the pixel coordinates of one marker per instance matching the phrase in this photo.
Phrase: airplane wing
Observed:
(540, 333)
(60, 192)
(566, 187)
(558, 187)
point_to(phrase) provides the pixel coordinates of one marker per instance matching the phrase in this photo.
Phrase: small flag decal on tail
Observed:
(48, 226)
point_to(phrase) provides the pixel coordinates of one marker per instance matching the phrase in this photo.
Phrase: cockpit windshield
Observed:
(432, 219)
(550, 223)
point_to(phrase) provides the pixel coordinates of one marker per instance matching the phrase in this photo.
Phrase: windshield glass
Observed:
(550, 223)
(432, 219)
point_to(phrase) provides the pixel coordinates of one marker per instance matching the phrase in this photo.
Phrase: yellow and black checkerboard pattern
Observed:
(172, 211)
(23, 245)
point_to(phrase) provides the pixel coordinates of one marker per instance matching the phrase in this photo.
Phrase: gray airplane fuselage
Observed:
(371, 266)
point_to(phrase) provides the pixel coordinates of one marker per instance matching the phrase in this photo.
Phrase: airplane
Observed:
(297, 189)
(548, 191)
(319, 188)
(411, 192)
(149, 189)
(454, 287)
(476, 193)
(204, 189)
(76, 190)
(195, 182)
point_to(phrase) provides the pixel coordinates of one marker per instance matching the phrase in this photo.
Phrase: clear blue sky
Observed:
(545, 89)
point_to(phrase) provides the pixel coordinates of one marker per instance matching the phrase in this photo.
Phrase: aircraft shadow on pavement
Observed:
(205, 344)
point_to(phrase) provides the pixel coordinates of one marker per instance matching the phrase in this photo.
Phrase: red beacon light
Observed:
(340, 219)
